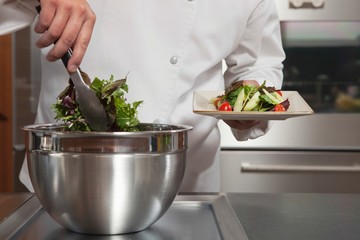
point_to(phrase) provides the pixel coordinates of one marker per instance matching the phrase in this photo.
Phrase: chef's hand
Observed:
(244, 124)
(68, 24)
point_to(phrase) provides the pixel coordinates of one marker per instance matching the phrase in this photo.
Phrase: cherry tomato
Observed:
(279, 92)
(279, 108)
(225, 106)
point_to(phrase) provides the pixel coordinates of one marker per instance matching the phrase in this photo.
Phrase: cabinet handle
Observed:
(2, 117)
(247, 167)
(306, 4)
(19, 147)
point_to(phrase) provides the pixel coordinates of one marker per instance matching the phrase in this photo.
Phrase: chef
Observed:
(167, 50)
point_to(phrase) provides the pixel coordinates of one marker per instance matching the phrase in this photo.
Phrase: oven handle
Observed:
(247, 167)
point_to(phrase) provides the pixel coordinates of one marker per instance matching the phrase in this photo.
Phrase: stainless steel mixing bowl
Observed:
(106, 182)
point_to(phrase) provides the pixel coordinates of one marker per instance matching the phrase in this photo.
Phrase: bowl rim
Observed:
(57, 129)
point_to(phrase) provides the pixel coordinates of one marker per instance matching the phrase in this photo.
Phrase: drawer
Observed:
(290, 171)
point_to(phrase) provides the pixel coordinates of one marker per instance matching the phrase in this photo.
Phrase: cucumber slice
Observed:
(253, 102)
(278, 96)
(239, 103)
(271, 97)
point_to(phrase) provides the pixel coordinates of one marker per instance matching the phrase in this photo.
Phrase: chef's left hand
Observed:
(242, 124)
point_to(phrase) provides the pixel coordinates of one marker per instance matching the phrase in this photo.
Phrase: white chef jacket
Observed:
(16, 15)
(168, 49)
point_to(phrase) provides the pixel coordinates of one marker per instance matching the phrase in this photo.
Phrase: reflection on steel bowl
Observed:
(106, 182)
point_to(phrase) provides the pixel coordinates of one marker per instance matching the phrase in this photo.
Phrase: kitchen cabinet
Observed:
(290, 171)
(6, 163)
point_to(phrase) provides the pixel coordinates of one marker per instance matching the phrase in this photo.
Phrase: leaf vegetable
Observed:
(252, 98)
(121, 115)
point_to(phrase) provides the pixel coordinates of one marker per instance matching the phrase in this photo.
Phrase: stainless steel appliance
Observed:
(319, 153)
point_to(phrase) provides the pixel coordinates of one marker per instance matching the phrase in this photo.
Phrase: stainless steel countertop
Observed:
(9, 203)
(205, 216)
(268, 216)
(263, 216)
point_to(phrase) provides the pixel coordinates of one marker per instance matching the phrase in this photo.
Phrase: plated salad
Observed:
(121, 115)
(239, 97)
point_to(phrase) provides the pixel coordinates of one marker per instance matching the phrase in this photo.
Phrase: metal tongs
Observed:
(89, 104)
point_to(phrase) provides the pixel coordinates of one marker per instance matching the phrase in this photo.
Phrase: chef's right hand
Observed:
(68, 24)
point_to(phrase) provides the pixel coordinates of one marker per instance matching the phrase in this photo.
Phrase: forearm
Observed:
(259, 54)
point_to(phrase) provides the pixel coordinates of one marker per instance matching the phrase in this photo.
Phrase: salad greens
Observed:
(251, 98)
(121, 115)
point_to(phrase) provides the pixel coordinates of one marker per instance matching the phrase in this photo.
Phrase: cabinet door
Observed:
(290, 171)
(6, 160)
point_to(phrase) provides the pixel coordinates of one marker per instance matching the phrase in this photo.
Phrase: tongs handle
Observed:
(65, 59)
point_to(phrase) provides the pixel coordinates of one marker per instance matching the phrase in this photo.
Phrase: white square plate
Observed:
(202, 105)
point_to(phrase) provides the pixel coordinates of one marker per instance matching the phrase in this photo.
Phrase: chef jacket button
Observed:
(174, 60)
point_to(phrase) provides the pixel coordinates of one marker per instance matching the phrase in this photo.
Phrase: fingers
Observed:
(250, 82)
(66, 24)
(53, 28)
(242, 125)
(44, 20)
(81, 45)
